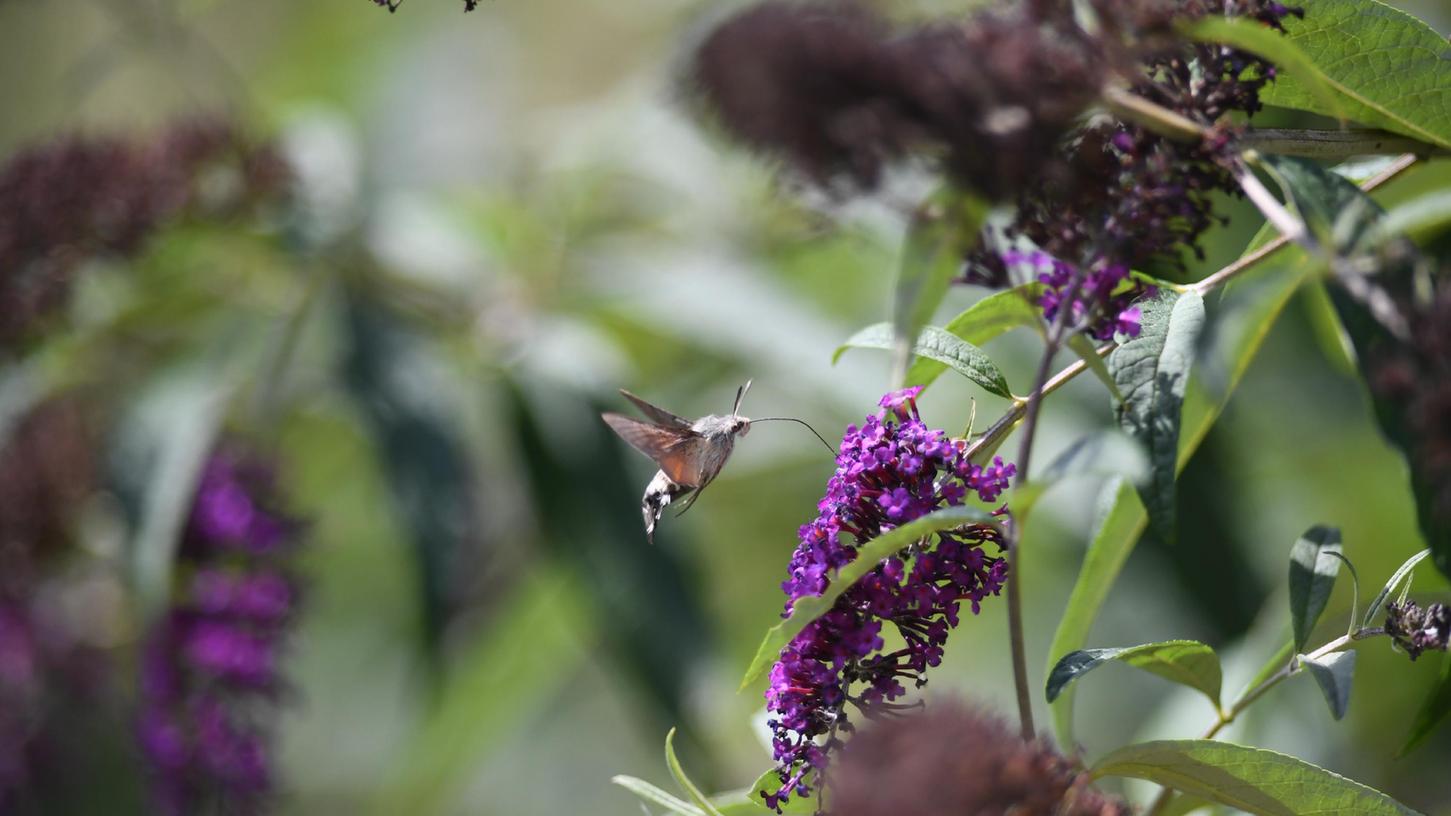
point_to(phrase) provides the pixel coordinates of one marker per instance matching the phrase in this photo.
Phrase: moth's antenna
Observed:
(798, 422)
(740, 395)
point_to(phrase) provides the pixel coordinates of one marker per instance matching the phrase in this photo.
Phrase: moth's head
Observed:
(740, 426)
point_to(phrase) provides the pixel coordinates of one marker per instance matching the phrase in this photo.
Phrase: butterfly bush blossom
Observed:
(891, 470)
(210, 669)
(1103, 304)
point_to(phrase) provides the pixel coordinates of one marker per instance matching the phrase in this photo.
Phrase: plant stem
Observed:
(1334, 144)
(1056, 334)
(1131, 107)
(1251, 695)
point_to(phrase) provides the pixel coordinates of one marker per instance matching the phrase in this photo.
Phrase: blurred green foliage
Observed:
(507, 215)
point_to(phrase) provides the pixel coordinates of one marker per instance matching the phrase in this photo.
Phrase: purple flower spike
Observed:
(212, 660)
(891, 470)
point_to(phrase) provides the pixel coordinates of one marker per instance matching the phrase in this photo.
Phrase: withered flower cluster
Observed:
(81, 197)
(997, 101)
(952, 759)
(1118, 193)
(838, 94)
(1418, 629)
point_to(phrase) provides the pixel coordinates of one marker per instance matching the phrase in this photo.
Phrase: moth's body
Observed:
(689, 454)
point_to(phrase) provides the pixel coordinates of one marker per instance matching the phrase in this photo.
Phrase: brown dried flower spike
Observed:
(953, 759)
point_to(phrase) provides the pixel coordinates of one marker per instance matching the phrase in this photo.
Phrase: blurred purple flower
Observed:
(212, 660)
(891, 470)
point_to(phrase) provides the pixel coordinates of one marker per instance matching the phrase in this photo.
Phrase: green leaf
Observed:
(655, 796)
(1254, 780)
(940, 346)
(1338, 213)
(811, 607)
(1433, 711)
(1313, 567)
(1389, 69)
(684, 781)
(941, 233)
(989, 318)
(1120, 519)
(1395, 580)
(1152, 371)
(161, 449)
(1422, 219)
(1186, 662)
(1256, 38)
(1083, 347)
(1333, 673)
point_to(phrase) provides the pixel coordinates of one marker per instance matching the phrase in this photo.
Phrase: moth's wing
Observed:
(677, 452)
(660, 415)
(714, 466)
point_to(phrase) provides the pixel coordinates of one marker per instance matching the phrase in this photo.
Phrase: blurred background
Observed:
(448, 239)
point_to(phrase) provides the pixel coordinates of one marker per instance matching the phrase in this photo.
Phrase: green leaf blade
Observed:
(705, 805)
(1152, 373)
(1254, 780)
(1187, 662)
(1313, 568)
(1120, 520)
(1334, 673)
(939, 346)
(1391, 584)
(985, 320)
(1388, 68)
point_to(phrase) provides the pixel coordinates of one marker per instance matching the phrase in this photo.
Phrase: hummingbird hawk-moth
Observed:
(689, 454)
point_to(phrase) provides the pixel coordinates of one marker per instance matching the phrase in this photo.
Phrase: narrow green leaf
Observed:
(654, 795)
(684, 781)
(1152, 371)
(811, 607)
(1433, 711)
(940, 346)
(1313, 568)
(1389, 69)
(989, 318)
(1256, 38)
(1186, 662)
(1333, 673)
(942, 232)
(1120, 519)
(1084, 348)
(1421, 219)
(1395, 580)
(1254, 780)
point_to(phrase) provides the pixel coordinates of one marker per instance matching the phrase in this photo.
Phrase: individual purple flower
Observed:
(211, 661)
(891, 470)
